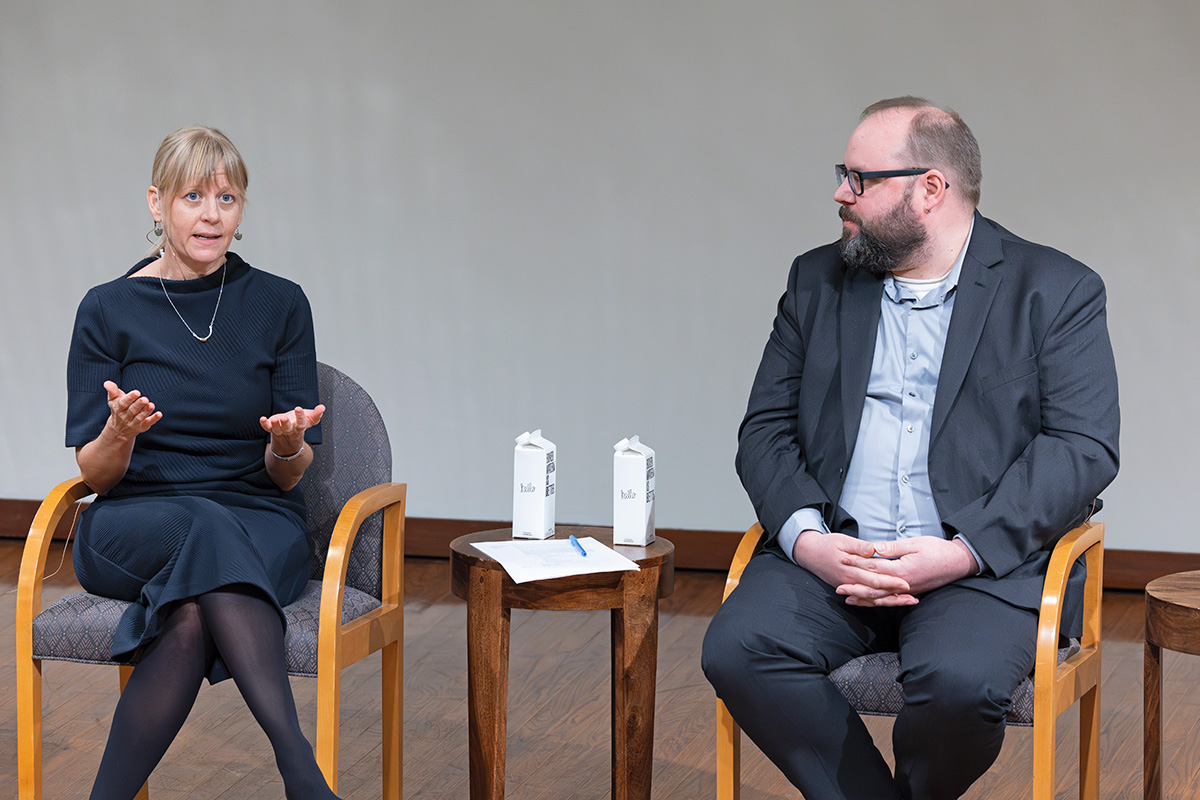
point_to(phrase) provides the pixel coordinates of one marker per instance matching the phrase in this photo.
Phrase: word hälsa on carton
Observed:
(633, 493)
(533, 486)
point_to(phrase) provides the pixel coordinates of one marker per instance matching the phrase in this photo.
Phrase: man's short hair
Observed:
(938, 137)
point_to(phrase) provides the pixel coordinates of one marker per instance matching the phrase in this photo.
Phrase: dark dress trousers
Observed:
(1022, 441)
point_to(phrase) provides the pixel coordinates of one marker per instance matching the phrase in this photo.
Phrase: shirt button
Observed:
(912, 394)
(902, 529)
(904, 479)
(910, 428)
(913, 356)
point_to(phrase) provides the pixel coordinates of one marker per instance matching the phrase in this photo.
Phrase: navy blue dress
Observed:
(196, 510)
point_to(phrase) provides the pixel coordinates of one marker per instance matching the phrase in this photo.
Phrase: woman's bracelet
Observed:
(292, 457)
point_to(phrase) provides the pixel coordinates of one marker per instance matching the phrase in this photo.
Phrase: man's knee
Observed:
(738, 647)
(724, 655)
(950, 696)
(734, 648)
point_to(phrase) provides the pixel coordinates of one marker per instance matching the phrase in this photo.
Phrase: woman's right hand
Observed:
(129, 412)
(104, 460)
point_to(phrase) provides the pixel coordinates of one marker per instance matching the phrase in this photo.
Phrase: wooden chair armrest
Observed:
(37, 546)
(387, 496)
(741, 557)
(1087, 538)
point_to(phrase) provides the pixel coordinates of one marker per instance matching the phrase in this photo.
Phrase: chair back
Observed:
(354, 454)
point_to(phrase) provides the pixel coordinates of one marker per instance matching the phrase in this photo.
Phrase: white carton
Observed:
(533, 487)
(633, 493)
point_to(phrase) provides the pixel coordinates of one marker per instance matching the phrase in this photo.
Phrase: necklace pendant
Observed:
(211, 322)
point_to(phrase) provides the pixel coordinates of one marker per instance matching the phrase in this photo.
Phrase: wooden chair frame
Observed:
(338, 645)
(1056, 686)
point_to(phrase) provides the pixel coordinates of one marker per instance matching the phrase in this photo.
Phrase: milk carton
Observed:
(633, 493)
(533, 487)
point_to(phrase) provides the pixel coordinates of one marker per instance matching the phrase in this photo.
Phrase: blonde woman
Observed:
(192, 408)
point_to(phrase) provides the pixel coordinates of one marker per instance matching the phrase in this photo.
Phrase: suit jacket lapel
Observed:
(858, 326)
(977, 285)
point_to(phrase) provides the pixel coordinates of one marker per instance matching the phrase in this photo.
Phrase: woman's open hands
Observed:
(129, 412)
(287, 457)
(287, 429)
(104, 460)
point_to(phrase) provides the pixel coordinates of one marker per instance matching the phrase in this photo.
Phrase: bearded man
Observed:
(935, 407)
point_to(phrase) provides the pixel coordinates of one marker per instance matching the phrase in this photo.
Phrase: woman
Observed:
(192, 405)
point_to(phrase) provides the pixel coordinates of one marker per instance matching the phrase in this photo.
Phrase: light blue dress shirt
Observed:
(887, 487)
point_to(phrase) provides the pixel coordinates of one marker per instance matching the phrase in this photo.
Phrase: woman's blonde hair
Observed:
(193, 155)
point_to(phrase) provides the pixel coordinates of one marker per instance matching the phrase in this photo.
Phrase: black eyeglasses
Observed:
(857, 177)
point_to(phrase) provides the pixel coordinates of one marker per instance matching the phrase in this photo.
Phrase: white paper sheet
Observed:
(531, 560)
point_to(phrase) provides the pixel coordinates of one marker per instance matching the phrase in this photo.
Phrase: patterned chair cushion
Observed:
(869, 683)
(302, 616)
(80, 627)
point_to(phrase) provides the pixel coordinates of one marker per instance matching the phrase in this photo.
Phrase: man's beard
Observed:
(882, 247)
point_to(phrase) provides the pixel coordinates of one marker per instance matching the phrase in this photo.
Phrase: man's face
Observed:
(881, 228)
(882, 245)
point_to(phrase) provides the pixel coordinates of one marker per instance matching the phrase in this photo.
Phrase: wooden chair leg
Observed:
(729, 755)
(125, 672)
(1089, 744)
(29, 728)
(393, 720)
(329, 707)
(1044, 727)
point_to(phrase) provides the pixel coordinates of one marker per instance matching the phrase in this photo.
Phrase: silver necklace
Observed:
(196, 336)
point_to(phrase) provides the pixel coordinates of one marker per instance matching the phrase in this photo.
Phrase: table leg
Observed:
(487, 682)
(1152, 719)
(635, 671)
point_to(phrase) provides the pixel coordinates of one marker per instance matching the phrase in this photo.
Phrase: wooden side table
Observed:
(633, 598)
(1173, 622)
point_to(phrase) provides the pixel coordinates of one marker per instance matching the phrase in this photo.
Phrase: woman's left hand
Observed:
(287, 429)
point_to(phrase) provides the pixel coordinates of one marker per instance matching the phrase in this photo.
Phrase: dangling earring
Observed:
(158, 231)
(237, 233)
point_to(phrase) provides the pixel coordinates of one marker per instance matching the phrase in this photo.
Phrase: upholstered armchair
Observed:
(1062, 676)
(353, 604)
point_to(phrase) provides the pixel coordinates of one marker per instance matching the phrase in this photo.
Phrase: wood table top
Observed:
(655, 554)
(1181, 589)
(588, 591)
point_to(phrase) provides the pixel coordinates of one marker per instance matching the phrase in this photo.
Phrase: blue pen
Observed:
(578, 546)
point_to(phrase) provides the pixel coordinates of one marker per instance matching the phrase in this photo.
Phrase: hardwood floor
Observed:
(558, 719)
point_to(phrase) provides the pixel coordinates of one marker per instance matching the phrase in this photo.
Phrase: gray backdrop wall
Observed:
(579, 216)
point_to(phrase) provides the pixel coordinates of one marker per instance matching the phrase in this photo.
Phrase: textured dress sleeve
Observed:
(90, 363)
(294, 378)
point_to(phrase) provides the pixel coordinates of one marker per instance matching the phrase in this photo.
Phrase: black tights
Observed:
(244, 628)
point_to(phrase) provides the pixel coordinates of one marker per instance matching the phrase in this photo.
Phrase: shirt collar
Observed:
(898, 294)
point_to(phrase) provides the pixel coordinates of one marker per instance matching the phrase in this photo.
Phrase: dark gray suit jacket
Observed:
(1025, 418)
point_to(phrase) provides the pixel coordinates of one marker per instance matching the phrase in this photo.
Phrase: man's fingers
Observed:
(872, 583)
(877, 573)
(896, 548)
(887, 601)
(857, 547)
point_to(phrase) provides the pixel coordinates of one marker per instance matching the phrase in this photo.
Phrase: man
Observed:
(936, 405)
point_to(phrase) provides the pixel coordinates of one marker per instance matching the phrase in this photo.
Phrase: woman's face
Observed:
(200, 223)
